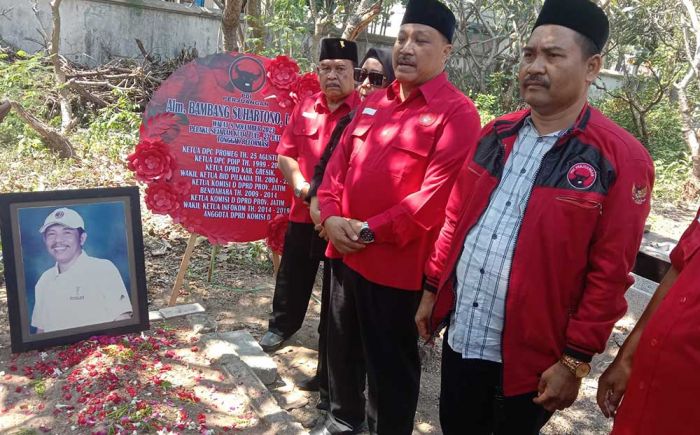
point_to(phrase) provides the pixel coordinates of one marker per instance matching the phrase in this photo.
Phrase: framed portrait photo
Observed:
(74, 265)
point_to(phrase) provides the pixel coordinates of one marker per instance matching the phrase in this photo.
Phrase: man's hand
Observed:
(342, 234)
(558, 388)
(425, 309)
(321, 231)
(315, 211)
(612, 385)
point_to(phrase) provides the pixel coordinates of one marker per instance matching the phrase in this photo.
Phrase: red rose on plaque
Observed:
(283, 72)
(306, 86)
(163, 198)
(151, 160)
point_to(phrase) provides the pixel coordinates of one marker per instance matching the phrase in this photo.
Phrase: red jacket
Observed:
(576, 247)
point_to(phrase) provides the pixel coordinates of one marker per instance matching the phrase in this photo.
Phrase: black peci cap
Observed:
(582, 16)
(338, 48)
(431, 13)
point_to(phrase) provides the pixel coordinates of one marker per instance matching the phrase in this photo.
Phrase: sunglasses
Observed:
(375, 78)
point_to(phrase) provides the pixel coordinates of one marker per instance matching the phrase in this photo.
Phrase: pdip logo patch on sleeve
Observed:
(581, 176)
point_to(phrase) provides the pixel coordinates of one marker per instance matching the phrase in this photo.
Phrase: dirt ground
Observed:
(239, 296)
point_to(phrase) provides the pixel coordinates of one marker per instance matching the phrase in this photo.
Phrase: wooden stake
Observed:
(183, 268)
(212, 261)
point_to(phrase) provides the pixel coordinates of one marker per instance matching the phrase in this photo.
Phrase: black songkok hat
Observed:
(582, 16)
(338, 48)
(431, 13)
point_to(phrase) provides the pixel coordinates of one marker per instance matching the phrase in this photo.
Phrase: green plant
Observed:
(114, 129)
(488, 106)
(39, 386)
(289, 20)
(26, 79)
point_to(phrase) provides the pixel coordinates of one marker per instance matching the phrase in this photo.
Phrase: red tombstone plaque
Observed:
(208, 140)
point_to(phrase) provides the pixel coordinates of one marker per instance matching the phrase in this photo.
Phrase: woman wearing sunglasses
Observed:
(376, 72)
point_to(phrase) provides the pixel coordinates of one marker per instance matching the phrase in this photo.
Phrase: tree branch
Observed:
(53, 139)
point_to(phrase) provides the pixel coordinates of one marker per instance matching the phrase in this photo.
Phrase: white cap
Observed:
(63, 216)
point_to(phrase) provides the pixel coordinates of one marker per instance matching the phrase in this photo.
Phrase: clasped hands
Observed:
(344, 233)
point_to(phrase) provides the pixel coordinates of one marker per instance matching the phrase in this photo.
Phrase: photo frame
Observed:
(74, 265)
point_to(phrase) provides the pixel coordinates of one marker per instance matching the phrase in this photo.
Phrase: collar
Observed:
(557, 134)
(321, 105)
(82, 258)
(510, 126)
(428, 89)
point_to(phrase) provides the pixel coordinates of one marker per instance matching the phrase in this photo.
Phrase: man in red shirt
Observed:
(657, 367)
(541, 232)
(382, 202)
(300, 149)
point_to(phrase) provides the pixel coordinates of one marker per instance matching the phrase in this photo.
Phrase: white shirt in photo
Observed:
(90, 292)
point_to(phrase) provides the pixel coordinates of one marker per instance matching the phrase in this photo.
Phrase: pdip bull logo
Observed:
(582, 176)
(247, 74)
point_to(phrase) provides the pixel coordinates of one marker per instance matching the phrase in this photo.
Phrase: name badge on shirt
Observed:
(369, 111)
(310, 115)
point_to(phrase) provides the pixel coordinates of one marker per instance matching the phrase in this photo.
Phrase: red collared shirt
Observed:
(662, 392)
(305, 137)
(394, 168)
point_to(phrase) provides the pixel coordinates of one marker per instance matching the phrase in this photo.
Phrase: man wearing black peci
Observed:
(299, 150)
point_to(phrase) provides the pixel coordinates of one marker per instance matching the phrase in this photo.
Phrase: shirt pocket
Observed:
(409, 151)
(306, 128)
(582, 203)
(359, 135)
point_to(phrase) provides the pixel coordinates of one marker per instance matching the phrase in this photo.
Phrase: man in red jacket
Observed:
(540, 234)
(656, 368)
(382, 202)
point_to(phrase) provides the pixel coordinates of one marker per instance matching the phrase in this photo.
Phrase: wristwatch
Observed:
(579, 369)
(300, 187)
(366, 234)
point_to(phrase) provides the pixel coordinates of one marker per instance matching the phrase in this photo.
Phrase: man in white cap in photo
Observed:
(78, 290)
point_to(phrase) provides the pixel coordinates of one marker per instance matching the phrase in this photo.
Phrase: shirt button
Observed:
(482, 271)
(523, 170)
(494, 237)
(642, 386)
(654, 342)
(508, 203)
(683, 299)
(475, 305)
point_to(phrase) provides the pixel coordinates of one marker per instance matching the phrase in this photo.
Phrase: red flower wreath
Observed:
(151, 161)
(283, 72)
(163, 198)
(306, 86)
(276, 230)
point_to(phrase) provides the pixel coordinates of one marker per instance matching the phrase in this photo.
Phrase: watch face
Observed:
(366, 235)
(583, 370)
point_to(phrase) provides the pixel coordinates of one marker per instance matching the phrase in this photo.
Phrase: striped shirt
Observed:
(483, 269)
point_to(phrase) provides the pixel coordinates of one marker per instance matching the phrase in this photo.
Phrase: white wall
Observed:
(94, 31)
